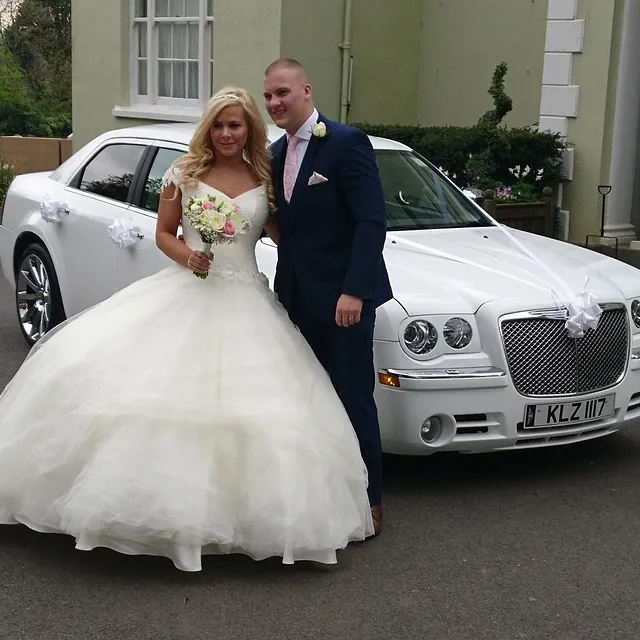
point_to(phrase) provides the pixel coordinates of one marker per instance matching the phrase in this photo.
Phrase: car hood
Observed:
(459, 270)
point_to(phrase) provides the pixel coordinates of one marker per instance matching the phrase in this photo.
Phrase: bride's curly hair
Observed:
(201, 155)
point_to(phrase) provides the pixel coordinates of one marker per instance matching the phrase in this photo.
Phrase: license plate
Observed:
(558, 414)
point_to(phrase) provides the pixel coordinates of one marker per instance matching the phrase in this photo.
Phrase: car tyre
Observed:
(38, 299)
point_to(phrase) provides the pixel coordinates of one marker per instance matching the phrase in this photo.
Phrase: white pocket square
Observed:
(317, 178)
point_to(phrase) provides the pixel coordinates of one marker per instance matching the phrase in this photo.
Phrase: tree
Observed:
(8, 11)
(39, 39)
(18, 114)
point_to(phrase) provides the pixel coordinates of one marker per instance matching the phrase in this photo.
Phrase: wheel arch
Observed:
(23, 241)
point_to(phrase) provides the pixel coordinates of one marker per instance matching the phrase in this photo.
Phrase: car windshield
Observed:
(417, 196)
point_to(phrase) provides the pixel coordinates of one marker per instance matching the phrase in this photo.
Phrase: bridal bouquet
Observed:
(216, 220)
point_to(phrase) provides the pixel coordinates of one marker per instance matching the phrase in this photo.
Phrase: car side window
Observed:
(153, 185)
(110, 173)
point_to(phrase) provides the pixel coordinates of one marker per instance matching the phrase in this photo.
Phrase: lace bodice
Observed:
(236, 259)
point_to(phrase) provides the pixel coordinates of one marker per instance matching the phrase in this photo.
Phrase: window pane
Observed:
(153, 185)
(192, 8)
(193, 91)
(180, 41)
(142, 40)
(211, 78)
(141, 8)
(179, 79)
(193, 41)
(110, 173)
(162, 8)
(210, 7)
(164, 41)
(142, 77)
(176, 8)
(164, 79)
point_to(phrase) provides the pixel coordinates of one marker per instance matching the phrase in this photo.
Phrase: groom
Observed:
(330, 275)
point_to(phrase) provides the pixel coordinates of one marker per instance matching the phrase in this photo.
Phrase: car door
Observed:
(146, 259)
(99, 194)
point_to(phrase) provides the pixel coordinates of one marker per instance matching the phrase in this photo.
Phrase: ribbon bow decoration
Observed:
(51, 209)
(124, 233)
(583, 310)
(583, 313)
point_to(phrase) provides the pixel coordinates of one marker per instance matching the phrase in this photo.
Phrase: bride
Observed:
(186, 416)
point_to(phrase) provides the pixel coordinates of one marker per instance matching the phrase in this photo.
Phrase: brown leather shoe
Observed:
(376, 514)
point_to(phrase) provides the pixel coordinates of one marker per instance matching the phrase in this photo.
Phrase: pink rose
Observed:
(236, 208)
(207, 205)
(229, 229)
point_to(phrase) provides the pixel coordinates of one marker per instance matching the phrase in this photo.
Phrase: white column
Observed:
(564, 38)
(626, 129)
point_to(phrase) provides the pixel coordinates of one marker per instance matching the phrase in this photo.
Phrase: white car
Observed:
(472, 353)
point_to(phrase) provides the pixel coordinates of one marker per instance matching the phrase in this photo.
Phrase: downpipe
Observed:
(345, 48)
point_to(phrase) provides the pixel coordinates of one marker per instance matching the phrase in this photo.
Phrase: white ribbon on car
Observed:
(50, 209)
(583, 310)
(124, 233)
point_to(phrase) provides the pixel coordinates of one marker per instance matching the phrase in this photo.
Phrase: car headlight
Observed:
(420, 337)
(635, 312)
(458, 333)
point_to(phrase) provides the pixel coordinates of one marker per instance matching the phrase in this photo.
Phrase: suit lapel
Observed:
(305, 168)
(307, 164)
(279, 150)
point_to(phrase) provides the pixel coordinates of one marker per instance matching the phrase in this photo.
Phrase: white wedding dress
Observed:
(182, 417)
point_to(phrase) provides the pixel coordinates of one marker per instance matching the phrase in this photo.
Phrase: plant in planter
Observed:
(524, 187)
(518, 163)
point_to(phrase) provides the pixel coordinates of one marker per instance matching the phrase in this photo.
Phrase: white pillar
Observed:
(626, 129)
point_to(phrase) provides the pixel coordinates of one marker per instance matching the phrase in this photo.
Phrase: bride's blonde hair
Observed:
(201, 155)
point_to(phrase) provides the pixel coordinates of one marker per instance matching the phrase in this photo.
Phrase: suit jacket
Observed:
(331, 234)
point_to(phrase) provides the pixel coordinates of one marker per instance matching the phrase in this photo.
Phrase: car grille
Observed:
(544, 361)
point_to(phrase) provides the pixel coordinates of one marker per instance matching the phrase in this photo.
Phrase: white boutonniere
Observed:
(320, 130)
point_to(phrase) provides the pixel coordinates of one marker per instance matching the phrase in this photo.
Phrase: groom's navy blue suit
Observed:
(331, 240)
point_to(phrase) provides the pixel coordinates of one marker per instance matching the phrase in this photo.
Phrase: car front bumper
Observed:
(480, 410)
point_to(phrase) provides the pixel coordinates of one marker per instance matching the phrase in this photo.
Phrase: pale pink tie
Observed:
(290, 167)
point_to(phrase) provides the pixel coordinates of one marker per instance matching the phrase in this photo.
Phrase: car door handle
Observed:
(51, 209)
(125, 233)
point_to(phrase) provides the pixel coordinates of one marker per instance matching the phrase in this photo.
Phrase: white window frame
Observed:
(154, 106)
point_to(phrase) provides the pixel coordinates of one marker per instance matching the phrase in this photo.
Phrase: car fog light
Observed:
(431, 430)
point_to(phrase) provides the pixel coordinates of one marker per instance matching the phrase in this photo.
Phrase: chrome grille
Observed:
(544, 361)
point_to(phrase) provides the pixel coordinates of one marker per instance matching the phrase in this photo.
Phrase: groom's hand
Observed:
(348, 310)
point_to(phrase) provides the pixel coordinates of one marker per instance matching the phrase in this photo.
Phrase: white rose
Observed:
(195, 207)
(238, 221)
(217, 221)
(320, 130)
(226, 208)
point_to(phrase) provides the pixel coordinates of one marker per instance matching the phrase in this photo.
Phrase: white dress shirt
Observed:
(304, 133)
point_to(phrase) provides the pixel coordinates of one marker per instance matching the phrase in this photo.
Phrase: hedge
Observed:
(486, 155)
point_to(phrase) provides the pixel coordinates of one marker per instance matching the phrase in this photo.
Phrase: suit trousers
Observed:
(347, 355)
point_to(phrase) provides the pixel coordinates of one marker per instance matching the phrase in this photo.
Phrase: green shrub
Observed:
(487, 155)
(6, 176)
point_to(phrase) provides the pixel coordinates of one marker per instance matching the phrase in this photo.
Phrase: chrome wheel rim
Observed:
(33, 297)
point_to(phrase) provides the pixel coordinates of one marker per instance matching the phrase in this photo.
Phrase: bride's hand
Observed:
(199, 261)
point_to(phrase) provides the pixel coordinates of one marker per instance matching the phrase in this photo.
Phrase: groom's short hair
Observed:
(287, 63)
